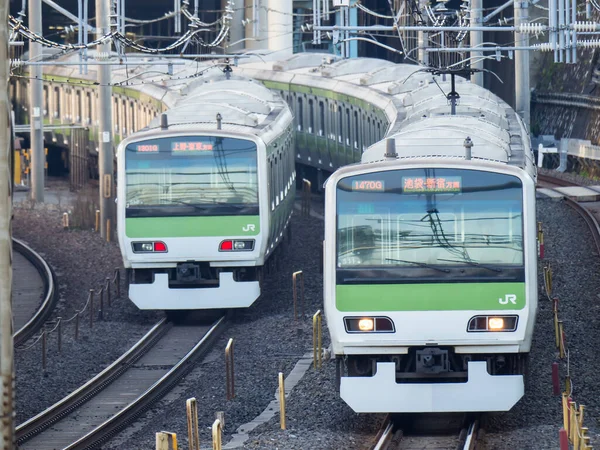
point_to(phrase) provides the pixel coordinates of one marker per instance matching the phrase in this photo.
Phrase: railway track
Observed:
(115, 397)
(394, 435)
(28, 308)
(587, 215)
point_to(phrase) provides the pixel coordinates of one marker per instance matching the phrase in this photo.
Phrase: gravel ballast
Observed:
(268, 341)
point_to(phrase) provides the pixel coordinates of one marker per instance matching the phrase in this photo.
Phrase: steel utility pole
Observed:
(105, 156)
(36, 108)
(522, 91)
(6, 331)
(476, 41)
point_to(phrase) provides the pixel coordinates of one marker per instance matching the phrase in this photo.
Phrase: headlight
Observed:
(236, 246)
(493, 323)
(369, 325)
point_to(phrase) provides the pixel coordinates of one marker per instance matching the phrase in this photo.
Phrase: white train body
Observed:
(204, 201)
(430, 266)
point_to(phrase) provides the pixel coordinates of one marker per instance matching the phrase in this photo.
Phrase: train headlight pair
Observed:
(369, 325)
(493, 323)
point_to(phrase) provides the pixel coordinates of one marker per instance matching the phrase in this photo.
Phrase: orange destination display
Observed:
(431, 184)
(190, 146)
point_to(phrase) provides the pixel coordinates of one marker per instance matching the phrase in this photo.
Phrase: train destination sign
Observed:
(187, 146)
(368, 185)
(411, 185)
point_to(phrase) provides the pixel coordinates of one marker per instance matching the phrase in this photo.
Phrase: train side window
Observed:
(116, 115)
(356, 130)
(340, 125)
(79, 101)
(46, 101)
(349, 125)
(311, 116)
(321, 118)
(88, 98)
(300, 115)
(272, 187)
(132, 114)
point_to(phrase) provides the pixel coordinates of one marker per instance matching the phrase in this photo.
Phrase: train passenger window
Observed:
(46, 101)
(311, 116)
(340, 125)
(132, 115)
(56, 103)
(272, 186)
(300, 116)
(356, 129)
(89, 107)
(79, 106)
(321, 118)
(349, 127)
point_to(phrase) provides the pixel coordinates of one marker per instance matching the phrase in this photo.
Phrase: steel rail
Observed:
(56, 412)
(391, 438)
(50, 299)
(120, 420)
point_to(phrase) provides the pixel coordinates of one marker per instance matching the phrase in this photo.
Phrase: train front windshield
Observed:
(430, 220)
(191, 176)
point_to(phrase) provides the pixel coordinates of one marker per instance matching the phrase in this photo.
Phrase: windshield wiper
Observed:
(473, 263)
(420, 264)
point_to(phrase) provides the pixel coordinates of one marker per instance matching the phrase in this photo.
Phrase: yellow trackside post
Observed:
(565, 408)
(217, 430)
(192, 422)
(299, 275)
(229, 372)
(317, 340)
(17, 171)
(561, 333)
(282, 400)
(166, 441)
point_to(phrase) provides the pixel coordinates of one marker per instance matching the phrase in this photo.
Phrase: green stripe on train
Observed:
(430, 297)
(164, 227)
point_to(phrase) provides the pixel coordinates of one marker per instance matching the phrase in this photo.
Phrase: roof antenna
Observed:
(468, 144)
(219, 119)
(164, 124)
(390, 149)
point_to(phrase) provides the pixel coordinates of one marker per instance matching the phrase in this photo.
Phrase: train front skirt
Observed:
(482, 392)
(229, 294)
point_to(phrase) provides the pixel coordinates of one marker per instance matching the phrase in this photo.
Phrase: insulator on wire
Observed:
(585, 26)
(588, 44)
(545, 47)
(532, 28)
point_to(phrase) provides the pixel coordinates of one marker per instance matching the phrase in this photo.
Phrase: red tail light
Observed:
(226, 245)
(160, 247)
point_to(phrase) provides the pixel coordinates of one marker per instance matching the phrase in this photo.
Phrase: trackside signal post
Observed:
(105, 146)
(6, 340)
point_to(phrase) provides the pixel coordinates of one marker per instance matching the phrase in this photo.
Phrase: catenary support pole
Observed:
(105, 148)
(6, 331)
(36, 110)
(522, 91)
(477, 40)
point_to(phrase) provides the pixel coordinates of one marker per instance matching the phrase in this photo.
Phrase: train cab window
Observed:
(397, 223)
(321, 118)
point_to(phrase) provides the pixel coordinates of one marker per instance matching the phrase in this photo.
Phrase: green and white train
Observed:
(205, 195)
(430, 258)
